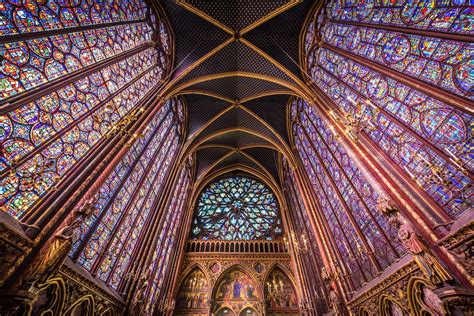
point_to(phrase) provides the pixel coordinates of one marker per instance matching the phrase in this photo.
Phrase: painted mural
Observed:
(194, 292)
(236, 286)
(280, 293)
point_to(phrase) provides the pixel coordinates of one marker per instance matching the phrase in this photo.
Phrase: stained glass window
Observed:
(369, 48)
(236, 208)
(166, 242)
(299, 214)
(127, 198)
(98, 62)
(454, 16)
(348, 199)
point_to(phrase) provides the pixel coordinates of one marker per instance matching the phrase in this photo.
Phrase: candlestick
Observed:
(423, 158)
(409, 172)
(451, 154)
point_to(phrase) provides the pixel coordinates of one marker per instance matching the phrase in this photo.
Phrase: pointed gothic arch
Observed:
(280, 292)
(52, 297)
(388, 306)
(84, 306)
(194, 291)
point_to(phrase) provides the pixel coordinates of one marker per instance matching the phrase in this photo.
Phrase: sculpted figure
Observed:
(414, 244)
(56, 250)
(334, 301)
(139, 300)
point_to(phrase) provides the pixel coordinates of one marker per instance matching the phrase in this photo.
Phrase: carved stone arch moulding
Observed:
(245, 310)
(285, 267)
(194, 290)
(243, 269)
(108, 312)
(281, 295)
(363, 312)
(84, 306)
(193, 266)
(224, 308)
(389, 306)
(422, 299)
(51, 297)
(237, 288)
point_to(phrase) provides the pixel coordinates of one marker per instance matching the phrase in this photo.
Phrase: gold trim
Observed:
(237, 151)
(268, 93)
(202, 183)
(271, 15)
(235, 129)
(246, 29)
(302, 37)
(204, 146)
(207, 93)
(214, 146)
(243, 74)
(163, 93)
(214, 164)
(270, 182)
(192, 137)
(277, 135)
(242, 269)
(278, 65)
(205, 16)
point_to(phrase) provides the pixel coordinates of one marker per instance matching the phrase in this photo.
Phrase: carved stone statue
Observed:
(414, 244)
(334, 302)
(52, 259)
(55, 251)
(139, 304)
(139, 300)
(325, 275)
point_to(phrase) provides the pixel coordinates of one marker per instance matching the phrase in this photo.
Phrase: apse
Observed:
(247, 158)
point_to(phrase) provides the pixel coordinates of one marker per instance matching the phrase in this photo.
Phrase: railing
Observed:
(239, 246)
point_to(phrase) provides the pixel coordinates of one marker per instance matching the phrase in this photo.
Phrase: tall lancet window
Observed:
(347, 197)
(302, 226)
(129, 197)
(406, 69)
(69, 71)
(236, 208)
(165, 245)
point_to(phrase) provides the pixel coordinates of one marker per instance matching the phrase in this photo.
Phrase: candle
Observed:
(437, 176)
(409, 173)
(450, 153)
(347, 248)
(348, 267)
(423, 158)
(351, 100)
(370, 244)
(370, 103)
(348, 133)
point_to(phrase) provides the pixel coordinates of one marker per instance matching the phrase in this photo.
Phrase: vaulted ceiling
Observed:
(236, 67)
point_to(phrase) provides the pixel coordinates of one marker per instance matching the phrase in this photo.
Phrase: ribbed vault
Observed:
(235, 89)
